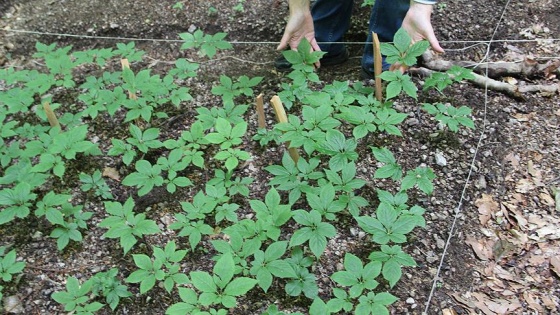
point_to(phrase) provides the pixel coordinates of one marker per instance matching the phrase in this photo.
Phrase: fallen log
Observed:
(525, 68)
(432, 63)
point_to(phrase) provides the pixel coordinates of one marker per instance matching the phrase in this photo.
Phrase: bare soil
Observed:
(511, 159)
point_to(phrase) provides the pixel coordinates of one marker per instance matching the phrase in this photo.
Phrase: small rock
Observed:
(192, 28)
(431, 257)
(410, 301)
(440, 243)
(339, 266)
(114, 25)
(412, 122)
(37, 235)
(481, 182)
(440, 159)
(12, 304)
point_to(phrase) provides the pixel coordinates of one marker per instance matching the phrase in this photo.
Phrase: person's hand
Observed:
(299, 26)
(418, 25)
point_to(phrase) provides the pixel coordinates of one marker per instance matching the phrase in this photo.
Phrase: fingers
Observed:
(315, 47)
(435, 43)
(284, 41)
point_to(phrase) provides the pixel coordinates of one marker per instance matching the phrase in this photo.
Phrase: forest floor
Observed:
(495, 210)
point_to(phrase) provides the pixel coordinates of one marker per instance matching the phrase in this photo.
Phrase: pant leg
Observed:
(331, 19)
(386, 19)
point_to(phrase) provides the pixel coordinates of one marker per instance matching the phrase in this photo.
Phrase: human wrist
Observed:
(298, 6)
(420, 6)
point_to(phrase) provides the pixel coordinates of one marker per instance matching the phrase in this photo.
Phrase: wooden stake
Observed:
(53, 121)
(377, 67)
(126, 65)
(282, 117)
(260, 112)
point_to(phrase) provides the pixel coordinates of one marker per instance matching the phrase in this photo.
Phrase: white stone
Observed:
(12, 304)
(440, 159)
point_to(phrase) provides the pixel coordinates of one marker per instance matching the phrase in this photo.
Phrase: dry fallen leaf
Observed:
(524, 117)
(448, 311)
(465, 302)
(537, 156)
(502, 248)
(496, 306)
(482, 248)
(511, 80)
(111, 173)
(520, 237)
(549, 232)
(513, 159)
(481, 298)
(513, 215)
(549, 71)
(536, 259)
(547, 199)
(549, 303)
(532, 301)
(531, 168)
(519, 199)
(486, 208)
(524, 186)
(537, 220)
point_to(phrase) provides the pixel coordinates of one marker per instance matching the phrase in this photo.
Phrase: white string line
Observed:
(476, 42)
(472, 166)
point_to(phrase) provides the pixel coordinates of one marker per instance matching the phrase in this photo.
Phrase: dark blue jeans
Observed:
(332, 19)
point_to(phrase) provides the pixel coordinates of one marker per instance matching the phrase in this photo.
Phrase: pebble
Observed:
(481, 182)
(431, 257)
(412, 122)
(12, 304)
(440, 159)
(440, 243)
(410, 301)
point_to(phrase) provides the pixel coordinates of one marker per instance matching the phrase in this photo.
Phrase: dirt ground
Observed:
(496, 193)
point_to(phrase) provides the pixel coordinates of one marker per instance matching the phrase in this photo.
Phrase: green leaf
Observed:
(224, 268)
(281, 269)
(203, 281)
(318, 307)
(142, 261)
(275, 250)
(393, 89)
(392, 272)
(401, 40)
(240, 286)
